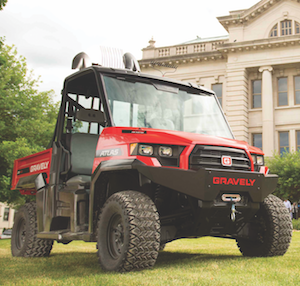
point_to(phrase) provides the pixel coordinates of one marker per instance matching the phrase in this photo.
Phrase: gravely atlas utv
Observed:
(137, 161)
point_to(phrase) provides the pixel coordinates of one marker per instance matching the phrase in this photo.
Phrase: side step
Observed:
(65, 236)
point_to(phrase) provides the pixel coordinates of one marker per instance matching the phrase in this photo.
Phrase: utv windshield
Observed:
(151, 105)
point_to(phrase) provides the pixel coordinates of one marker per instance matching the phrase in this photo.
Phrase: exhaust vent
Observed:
(131, 63)
(81, 61)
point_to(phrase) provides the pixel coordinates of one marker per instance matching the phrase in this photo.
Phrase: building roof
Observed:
(204, 40)
(245, 16)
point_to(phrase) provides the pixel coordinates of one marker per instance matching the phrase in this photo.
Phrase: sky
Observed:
(50, 33)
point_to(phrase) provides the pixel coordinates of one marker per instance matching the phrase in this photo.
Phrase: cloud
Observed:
(50, 33)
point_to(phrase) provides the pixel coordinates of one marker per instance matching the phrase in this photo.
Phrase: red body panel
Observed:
(31, 165)
(120, 138)
(115, 137)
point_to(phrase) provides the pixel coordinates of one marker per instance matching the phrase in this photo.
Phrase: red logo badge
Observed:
(226, 161)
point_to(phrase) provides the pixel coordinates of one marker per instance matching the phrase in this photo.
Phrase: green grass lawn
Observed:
(203, 261)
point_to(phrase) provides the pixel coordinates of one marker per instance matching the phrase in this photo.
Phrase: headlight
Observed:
(253, 158)
(258, 161)
(165, 151)
(146, 150)
(166, 155)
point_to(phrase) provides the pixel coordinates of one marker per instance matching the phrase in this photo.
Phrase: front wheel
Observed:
(128, 232)
(270, 232)
(23, 238)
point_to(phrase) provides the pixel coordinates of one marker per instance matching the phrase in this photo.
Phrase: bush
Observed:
(287, 167)
(296, 224)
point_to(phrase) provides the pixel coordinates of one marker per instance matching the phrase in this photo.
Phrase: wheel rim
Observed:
(115, 236)
(262, 229)
(20, 233)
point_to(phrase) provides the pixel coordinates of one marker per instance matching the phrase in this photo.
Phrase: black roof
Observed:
(84, 76)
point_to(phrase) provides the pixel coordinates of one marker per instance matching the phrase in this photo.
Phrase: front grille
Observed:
(211, 157)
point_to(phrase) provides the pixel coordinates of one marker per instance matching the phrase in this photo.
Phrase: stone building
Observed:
(254, 70)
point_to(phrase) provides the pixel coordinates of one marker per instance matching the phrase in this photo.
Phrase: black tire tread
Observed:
(279, 233)
(162, 247)
(144, 230)
(34, 247)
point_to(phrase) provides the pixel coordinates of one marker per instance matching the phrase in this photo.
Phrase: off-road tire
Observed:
(24, 242)
(274, 227)
(128, 233)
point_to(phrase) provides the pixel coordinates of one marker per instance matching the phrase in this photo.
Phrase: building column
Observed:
(268, 134)
(237, 101)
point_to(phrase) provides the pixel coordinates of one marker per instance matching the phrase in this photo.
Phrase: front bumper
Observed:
(207, 184)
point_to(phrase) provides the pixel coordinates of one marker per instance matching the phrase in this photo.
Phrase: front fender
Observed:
(204, 184)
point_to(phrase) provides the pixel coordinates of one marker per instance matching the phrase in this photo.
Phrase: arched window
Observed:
(297, 28)
(274, 31)
(286, 27)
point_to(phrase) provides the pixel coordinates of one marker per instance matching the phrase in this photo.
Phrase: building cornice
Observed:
(222, 51)
(261, 44)
(243, 17)
(184, 59)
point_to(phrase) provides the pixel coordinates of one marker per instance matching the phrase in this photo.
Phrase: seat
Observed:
(83, 150)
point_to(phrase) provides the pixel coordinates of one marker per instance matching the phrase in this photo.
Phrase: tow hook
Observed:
(233, 198)
(233, 210)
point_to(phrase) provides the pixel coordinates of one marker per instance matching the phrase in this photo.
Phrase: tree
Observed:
(28, 117)
(2, 3)
(287, 167)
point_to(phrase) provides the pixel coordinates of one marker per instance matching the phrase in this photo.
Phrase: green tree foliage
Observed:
(27, 117)
(2, 3)
(287, 167)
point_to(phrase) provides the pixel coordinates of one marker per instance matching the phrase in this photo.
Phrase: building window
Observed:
(297, 140)
(6, 214)
(297, 89)
(282, 91)
(256, 94)
(297, 28)
(286, 27)
(257, 140)
(284, 142)
(217, 88)
(274, 31)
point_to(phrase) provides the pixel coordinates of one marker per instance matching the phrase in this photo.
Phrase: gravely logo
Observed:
(226, 161)
(233, 182)
(39, 167)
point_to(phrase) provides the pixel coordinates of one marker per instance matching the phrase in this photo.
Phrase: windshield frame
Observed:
(149, 79)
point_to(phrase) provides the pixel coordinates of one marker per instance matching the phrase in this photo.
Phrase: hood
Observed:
(159, 136)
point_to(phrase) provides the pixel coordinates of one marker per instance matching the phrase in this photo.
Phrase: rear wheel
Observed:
(128, 232)
(271, 231)
(23, 239)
